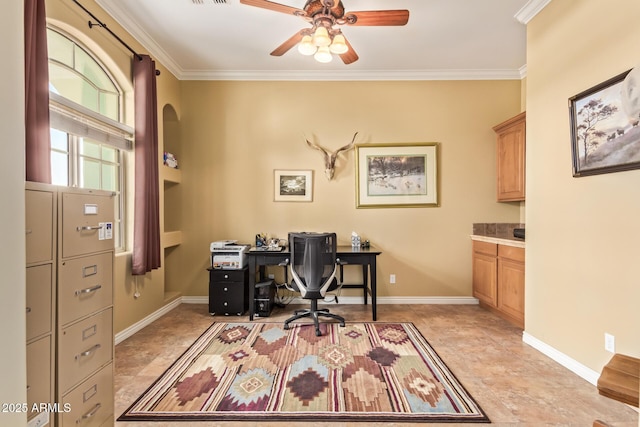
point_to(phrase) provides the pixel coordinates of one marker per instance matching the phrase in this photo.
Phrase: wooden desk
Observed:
(258, 260)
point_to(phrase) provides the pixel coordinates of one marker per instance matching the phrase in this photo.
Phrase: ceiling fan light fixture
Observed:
(321, 37)
(323, 54)
(339, 45)
(306, 46)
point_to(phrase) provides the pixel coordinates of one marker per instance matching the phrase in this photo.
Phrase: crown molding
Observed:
(141, 36)
(530, 10)
(523, 71)
(349, 75)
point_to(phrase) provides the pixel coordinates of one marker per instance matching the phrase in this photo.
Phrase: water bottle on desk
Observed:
(355, 240)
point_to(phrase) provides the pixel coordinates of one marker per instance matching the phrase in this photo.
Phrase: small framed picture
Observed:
(293, 185)
(397, 175)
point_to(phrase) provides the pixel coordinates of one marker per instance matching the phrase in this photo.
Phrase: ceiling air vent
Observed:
(207, 1)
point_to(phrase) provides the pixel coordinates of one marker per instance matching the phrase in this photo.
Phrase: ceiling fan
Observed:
(325, 37)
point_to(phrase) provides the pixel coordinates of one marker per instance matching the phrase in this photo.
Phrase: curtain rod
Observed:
(103, 25)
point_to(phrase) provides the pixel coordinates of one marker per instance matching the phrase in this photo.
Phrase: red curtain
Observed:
(38, 143)
(146, 226)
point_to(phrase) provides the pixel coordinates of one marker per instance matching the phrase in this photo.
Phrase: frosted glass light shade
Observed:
(339, 45)
(323, 54)
(321, 37)
(306, 46)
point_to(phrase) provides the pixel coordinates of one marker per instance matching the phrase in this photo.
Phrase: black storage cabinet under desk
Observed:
(228, 291)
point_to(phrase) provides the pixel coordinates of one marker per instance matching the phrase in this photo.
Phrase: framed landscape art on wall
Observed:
(397, 175)
(605, 131)
(293, 185)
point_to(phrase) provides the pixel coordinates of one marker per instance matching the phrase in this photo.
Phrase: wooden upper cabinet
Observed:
(511, 159)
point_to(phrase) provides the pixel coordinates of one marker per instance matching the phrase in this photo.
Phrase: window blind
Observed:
(76, 119)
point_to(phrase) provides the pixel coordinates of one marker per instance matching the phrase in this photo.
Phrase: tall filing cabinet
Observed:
(85, 306)
(81, 281)
(40, 239)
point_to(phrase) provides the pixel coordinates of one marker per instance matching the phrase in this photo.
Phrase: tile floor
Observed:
(515, 384)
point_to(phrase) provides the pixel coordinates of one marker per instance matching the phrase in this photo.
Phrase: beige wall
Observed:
(13, 387)
(65, 15)
(582, 233)
(235, 134)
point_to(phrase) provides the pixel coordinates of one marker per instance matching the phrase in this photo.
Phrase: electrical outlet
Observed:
(609, 343)
(392, 278)
(270, 276)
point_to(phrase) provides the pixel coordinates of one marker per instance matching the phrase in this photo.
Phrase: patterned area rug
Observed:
(259, 371)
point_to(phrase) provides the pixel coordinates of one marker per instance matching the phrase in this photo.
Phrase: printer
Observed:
(228, 255)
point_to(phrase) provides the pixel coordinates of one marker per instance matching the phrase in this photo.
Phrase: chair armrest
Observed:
(284, 263)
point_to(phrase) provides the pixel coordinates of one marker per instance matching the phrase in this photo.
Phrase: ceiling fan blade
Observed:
(265, 4)
(377, 17)
(291, 42)
(349, 56)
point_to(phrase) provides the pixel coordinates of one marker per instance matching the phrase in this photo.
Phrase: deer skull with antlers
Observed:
(330, 158)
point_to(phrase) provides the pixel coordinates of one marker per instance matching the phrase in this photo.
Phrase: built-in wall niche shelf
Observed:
(171, 239)
(171, 175)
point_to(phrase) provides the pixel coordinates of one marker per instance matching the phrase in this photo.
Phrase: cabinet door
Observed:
(511, 289)
(484, 278)
(511, 159)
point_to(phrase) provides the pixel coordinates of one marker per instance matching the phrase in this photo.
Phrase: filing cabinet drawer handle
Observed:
(88, 352)
(88, 290)
(28, 231)
(28, 310)
(88, 228)
(89, 414)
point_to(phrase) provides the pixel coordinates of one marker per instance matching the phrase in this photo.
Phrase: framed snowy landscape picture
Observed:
(397, 175)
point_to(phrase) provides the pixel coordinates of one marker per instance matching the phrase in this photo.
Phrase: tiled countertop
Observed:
(500, 233)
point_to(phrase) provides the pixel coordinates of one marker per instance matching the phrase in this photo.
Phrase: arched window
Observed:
(88, 138)
(76, 75)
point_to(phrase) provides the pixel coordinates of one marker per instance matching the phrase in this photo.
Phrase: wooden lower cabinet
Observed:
(498, 279)
(485, 272)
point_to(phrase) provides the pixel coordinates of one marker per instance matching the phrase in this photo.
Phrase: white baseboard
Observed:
(195, 300)
(358, 300)
(126, 333)
(574, 366)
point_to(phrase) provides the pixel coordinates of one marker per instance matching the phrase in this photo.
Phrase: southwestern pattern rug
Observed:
(261, 372)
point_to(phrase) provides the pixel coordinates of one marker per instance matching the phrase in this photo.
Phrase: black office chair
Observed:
(313, 269)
